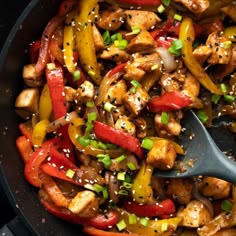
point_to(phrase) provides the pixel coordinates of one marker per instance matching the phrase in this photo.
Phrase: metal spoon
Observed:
(202, 155)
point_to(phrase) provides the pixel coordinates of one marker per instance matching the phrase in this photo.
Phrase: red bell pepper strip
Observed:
(66, 6)
(166, 207)
(101, 221)
(118, 68)
(164, 41)
(34, 51)
(49, 30)
(32, 167)
(140, 2)
(26, 130)
(24, 147)
(118, 137)
(168, 102)
(98, 232)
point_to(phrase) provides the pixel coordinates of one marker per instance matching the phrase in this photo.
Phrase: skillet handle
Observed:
(15, 228)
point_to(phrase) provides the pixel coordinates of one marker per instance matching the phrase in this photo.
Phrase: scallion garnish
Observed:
(90, 104)
(223, 88)
(144, 221)
(178, 17)
(226, 205)
(132, 219)
(135, 84)
(91, 73)
(147, 143)
(121, 44)
(165, 118)
(127, 185)
(76, 75)
(105, 159)
(120, 158)
(175, 47)
(107, 37)
(131, 166)
(229, 98)
(83, 140)
(123, 192)
(121, 176)
(70, 173)
(227, 44)
(215, 98)
(135, 30)
(108, 106)
(105, 193)
(166, 2)
(121, 225)
(202, 115)
(161, 9)
(164, 227)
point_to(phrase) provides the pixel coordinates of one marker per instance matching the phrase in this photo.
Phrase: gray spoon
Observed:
(202, 155)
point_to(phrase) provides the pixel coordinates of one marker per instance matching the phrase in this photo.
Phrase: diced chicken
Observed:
(135, 102)
(116, 92)
(195, 214)
(162, 155)
(143, 41)
(27, 102)
(113, 53)
(122, 166)
(195, 6)
(221, 53)
(158, 187)
(168, 83)
(97, 39)
(111, 18)
(145, 20)
(202, 53)
(215, 188)
(133, 72)
(141, 127)
(118, 111)
(172, 128)
(113, 186)
(180, 190)
(84, 204)
(31, 77)
(84, 93)
(70, 93)
(124, 124)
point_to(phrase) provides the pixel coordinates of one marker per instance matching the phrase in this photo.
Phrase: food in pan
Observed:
(105, 89)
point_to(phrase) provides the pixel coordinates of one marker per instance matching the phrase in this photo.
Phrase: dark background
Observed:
(9, 13)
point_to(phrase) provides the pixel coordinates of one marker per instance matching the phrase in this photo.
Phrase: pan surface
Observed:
(21, 195)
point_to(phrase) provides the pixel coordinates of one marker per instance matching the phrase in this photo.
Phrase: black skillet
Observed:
(32, 218)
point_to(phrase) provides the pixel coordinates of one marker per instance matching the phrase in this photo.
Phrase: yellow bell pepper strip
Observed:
(84, 19)
(153, 228)
(98, 232)
(45, 104)
(141, 189)
(187, 36)
(24, 147)
(69, 42)
(230, 33)
(75, 131)
(39, 133)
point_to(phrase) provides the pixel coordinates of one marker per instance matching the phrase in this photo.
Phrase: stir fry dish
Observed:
(106, 86)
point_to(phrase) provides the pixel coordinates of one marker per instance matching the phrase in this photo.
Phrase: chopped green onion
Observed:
(131, 166)
(121, 44)
(202, 115)
(76, 75)
(144, 221)
(147, 143)
(107, 37)
(135, 83)
(120, 158)
(154, 67)
(127, 185)
(92, 116)
(90, 104)
(123, 192)
(108, 106)
(132, 219)
(175, 47)
(226, 205)
(178, 17)
(121, 225)
(133, 90)
(102, 145)
(215, 98)
(105, 192)
(51, 66)
(121, 176)
(164, 227)
(105, 159)
(166, 2)
(94, 187)
(91, 73)
(227, 44)
(70, 173)
(223, 88)
(165, 118)
(135, 30)
(161, 9)
(94, 143)
(83, 140)
(229, 98)
(128, 178)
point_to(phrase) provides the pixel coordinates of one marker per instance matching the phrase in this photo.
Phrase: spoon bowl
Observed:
(202, 155)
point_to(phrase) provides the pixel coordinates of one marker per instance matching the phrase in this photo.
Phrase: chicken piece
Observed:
(112, 18)
(113, 186)
(220, 53)
(97, 39)
(27, 102)
(172, 128)
(70, 93)
(226, 232)
(145, 20)
(195, 214)
(31, 77)
(85, 204)
(113, 53)
(122, 166)
(162, 155)
(215, 188)
(84, 93)
(124, 124)
(202, 53)
(141, 127)
(116, 92)
(180, 190)
(139, 65)
(118, 112)
(143, 41)
(169, 84)
(135, 102)
(195, 6)
(230, 10)
(158, 187)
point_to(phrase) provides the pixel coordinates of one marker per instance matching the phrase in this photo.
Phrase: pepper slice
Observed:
(187, 36)
(120, 138)
(166, 207)
(98, 232)
(138, 2)
(24, 147)
(168, 102)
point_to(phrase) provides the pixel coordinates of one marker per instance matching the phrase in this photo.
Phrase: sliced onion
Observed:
(64, 120)
(168, 60)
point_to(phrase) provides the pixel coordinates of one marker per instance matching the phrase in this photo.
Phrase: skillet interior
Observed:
(22, 196)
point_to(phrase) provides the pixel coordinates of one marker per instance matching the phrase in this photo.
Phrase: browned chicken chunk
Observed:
(202, 53)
